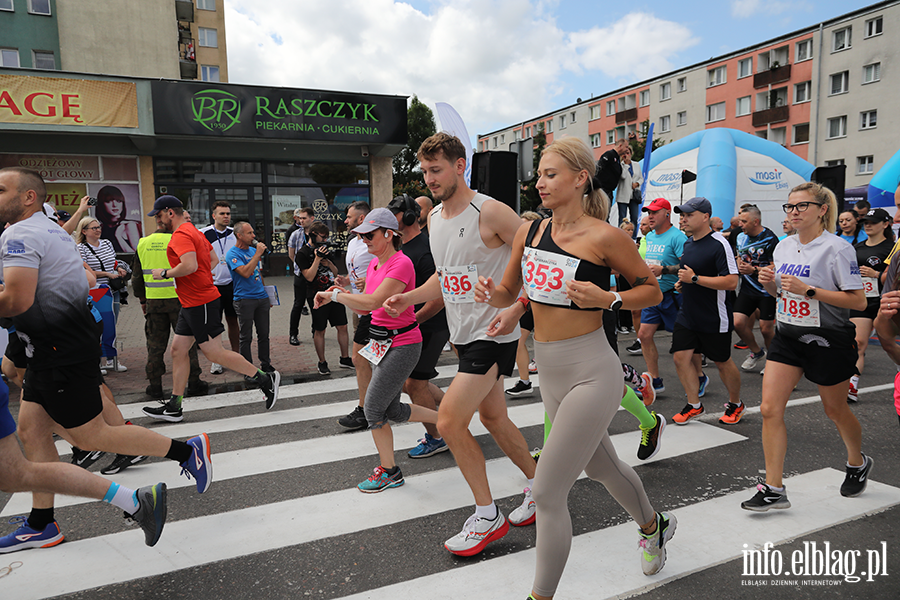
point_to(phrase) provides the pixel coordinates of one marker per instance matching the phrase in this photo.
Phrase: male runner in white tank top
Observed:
(471, 235)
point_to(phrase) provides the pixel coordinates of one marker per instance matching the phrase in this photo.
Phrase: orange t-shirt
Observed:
(197, 288)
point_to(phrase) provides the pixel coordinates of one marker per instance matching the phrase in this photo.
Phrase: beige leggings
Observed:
(581, 385)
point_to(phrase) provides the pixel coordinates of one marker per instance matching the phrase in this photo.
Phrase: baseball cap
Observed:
(380, 217)
(658, 204)
(695, 204)
(163, 203)
(49, 211)
(876, 215)
(63, 215)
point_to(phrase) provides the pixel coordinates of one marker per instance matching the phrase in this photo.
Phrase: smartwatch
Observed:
(334, 294)
(810, 292)
(164, 273)
(694, 278)
(616, 304)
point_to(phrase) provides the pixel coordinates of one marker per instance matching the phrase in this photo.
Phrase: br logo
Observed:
(216, 110)
(320, 207)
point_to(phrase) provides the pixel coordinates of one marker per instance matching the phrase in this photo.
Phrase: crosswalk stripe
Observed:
(227, 535)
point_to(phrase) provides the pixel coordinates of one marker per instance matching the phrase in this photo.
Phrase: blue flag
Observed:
(645, 163)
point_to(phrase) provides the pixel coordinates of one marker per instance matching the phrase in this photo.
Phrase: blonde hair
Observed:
(530, 215)
(579, 157)
(79, 231)
(826, 197)
(625, 223)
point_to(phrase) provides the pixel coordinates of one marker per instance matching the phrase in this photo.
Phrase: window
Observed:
(630, 101)
(804, 50)
(39, 7)
(840, 39)
(802, 92)
(873, 27)
(9, 57)
(665, 123)
(562, 121)
(645, 97)
(743, 106)
(43, 60)
(550, 126)
(865, 165)
(840, 82)
(206, 4)
(595, 140)
(837, 127)
(872, 73)
(715, 112)
(611, 107)
(682, 84)
(681, 118)
(778, 135)
(207, 37)
(209, 73)
(745, 67)
(834, 163)
(502, 138)
(495, 141)
(516, 134)
(801, 133)
(665, 91)
(868, 119)
(610, 137)
(596, 112)
(6, 5)
(572, 117)
(528, 132)
(717, 76)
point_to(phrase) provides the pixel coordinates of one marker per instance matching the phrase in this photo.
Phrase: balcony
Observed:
(184, 10)
(778, 114)
(772, 76)
(624, 116)
(188, 69)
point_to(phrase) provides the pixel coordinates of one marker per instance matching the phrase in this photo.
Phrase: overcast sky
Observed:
(497, 62)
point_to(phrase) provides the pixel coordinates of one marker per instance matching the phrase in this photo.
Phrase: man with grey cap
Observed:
(705, 322)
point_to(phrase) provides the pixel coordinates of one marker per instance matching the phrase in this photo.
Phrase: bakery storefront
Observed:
(266, 151)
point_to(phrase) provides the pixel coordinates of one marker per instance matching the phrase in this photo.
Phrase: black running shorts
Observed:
(69, 394)
(203, 322)
(479, 356)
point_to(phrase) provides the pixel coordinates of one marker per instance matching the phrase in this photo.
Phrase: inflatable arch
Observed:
(884, 184)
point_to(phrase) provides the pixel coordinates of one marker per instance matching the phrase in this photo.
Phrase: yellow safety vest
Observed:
(151, 251)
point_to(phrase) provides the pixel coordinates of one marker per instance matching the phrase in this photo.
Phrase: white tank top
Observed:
(460, 257)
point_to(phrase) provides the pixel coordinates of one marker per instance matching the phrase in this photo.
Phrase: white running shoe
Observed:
(216, 369)
(477, 533)
(653, 547)
(524, 515)
(752, 361)
(112, 365)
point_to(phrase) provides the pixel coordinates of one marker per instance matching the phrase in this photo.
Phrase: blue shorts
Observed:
(664, 312)
(7, 424)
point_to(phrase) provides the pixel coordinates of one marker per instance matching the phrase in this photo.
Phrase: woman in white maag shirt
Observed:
(815, 280)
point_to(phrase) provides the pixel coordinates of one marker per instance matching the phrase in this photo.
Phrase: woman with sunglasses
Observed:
(815, 280)
(393, 356)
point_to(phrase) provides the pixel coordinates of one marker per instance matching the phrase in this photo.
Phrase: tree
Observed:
(420, 125)
(528, 196)
(638, 145)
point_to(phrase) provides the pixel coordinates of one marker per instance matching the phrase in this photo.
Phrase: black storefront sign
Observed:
(213, 109)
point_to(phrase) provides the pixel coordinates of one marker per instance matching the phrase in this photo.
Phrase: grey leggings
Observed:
(383, 396)
(581, 385)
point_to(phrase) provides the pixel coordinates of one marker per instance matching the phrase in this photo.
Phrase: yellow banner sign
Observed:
(57, 101)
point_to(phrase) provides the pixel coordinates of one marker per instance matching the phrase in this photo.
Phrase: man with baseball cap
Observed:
(705, 320)
(665, 245)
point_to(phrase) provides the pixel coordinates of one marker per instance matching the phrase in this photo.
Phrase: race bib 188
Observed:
(458, 283)
(545, 274)
(797, 310)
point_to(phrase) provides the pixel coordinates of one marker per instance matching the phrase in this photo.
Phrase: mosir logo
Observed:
(773, 177)
(670, 181)
(216, 110)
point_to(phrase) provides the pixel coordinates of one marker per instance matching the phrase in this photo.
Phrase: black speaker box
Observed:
(834, 178)
(494, 174)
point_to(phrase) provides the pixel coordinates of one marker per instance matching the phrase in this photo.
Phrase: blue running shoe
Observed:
(428, 446)
(25, 537)
(703, 381)
(380, 481)
(658, 386)
(199, 465)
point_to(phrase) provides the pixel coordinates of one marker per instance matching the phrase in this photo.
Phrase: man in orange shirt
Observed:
(191, 256)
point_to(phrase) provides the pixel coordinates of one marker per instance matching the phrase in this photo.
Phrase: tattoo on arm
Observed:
(639, 281)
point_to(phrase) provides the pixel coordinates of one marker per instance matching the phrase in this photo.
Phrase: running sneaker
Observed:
(199, 465)
(151, 512)
(428, 446)
(646, 391)
(323, 368)
(522, 388)
(658, 386)
(753, 359)
(732, 414)
(216, 369)
(294, 340)
(635, 348)
(115, 366)
(857, 478)
(269, 383)
(536, 454)
(766, 498)
(703, 362)
(25, 537)
(168, 410)
(741, 346)
(380, 481)
(853, 392)
(304, 311)
(524, 514)
(763, 372)
(122, 462)
(477, 533)
(346, 363)
(687, 413)
(532, 368)
(355, 420)
(650, 439)
(653, 546)
(630, 375)
(704, 381)
(85, 458)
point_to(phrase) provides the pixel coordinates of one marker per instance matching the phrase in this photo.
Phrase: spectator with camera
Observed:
(314, 260)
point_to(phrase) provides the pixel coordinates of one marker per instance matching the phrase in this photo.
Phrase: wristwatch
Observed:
(694, 278)
(616, 304)
(810, 292)
(164, 273)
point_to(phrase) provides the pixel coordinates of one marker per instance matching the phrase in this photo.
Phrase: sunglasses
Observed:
(368, 236)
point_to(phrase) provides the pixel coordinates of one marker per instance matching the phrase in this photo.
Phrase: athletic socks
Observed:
(635, 406)
(631, 376)
(176, 401)
(122, 497)
(488, 512)
(40, 518)
(180, 452)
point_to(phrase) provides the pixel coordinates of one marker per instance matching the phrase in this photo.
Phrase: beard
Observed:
(12, 211)
(445, 193)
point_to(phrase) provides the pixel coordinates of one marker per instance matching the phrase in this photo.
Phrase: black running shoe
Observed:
(269, 383)
(323, 368)
(166, 411)
(355, 420)
(122, 462)
(85, 458)
(766, 499)
(635, 348)
(151, 512)
(346, 363)
(294, 340)
(522, 388)
(857, 478)
(650, 438)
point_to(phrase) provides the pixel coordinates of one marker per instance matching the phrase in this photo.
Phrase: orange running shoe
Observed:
(732, 414)
(687, 413)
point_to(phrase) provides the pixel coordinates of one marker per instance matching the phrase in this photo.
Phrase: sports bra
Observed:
(560, 266)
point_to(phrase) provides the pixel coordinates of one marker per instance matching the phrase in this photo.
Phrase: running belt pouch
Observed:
(379, 332)
(114, 284)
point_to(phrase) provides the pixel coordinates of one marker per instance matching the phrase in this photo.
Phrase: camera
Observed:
(92, 202)
(326, 250)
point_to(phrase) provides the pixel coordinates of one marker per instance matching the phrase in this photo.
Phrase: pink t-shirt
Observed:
(398, 267)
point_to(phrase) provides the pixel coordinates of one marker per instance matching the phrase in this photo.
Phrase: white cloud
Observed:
(744, 9)
(495, 61)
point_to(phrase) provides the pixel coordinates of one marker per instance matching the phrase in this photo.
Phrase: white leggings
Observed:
(581, 385)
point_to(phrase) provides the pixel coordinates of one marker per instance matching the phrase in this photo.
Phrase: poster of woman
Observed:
(119, 212)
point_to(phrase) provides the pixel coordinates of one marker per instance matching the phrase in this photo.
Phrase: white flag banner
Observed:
(453, 124)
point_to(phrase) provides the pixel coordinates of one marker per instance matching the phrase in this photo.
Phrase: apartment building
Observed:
(817, 91)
